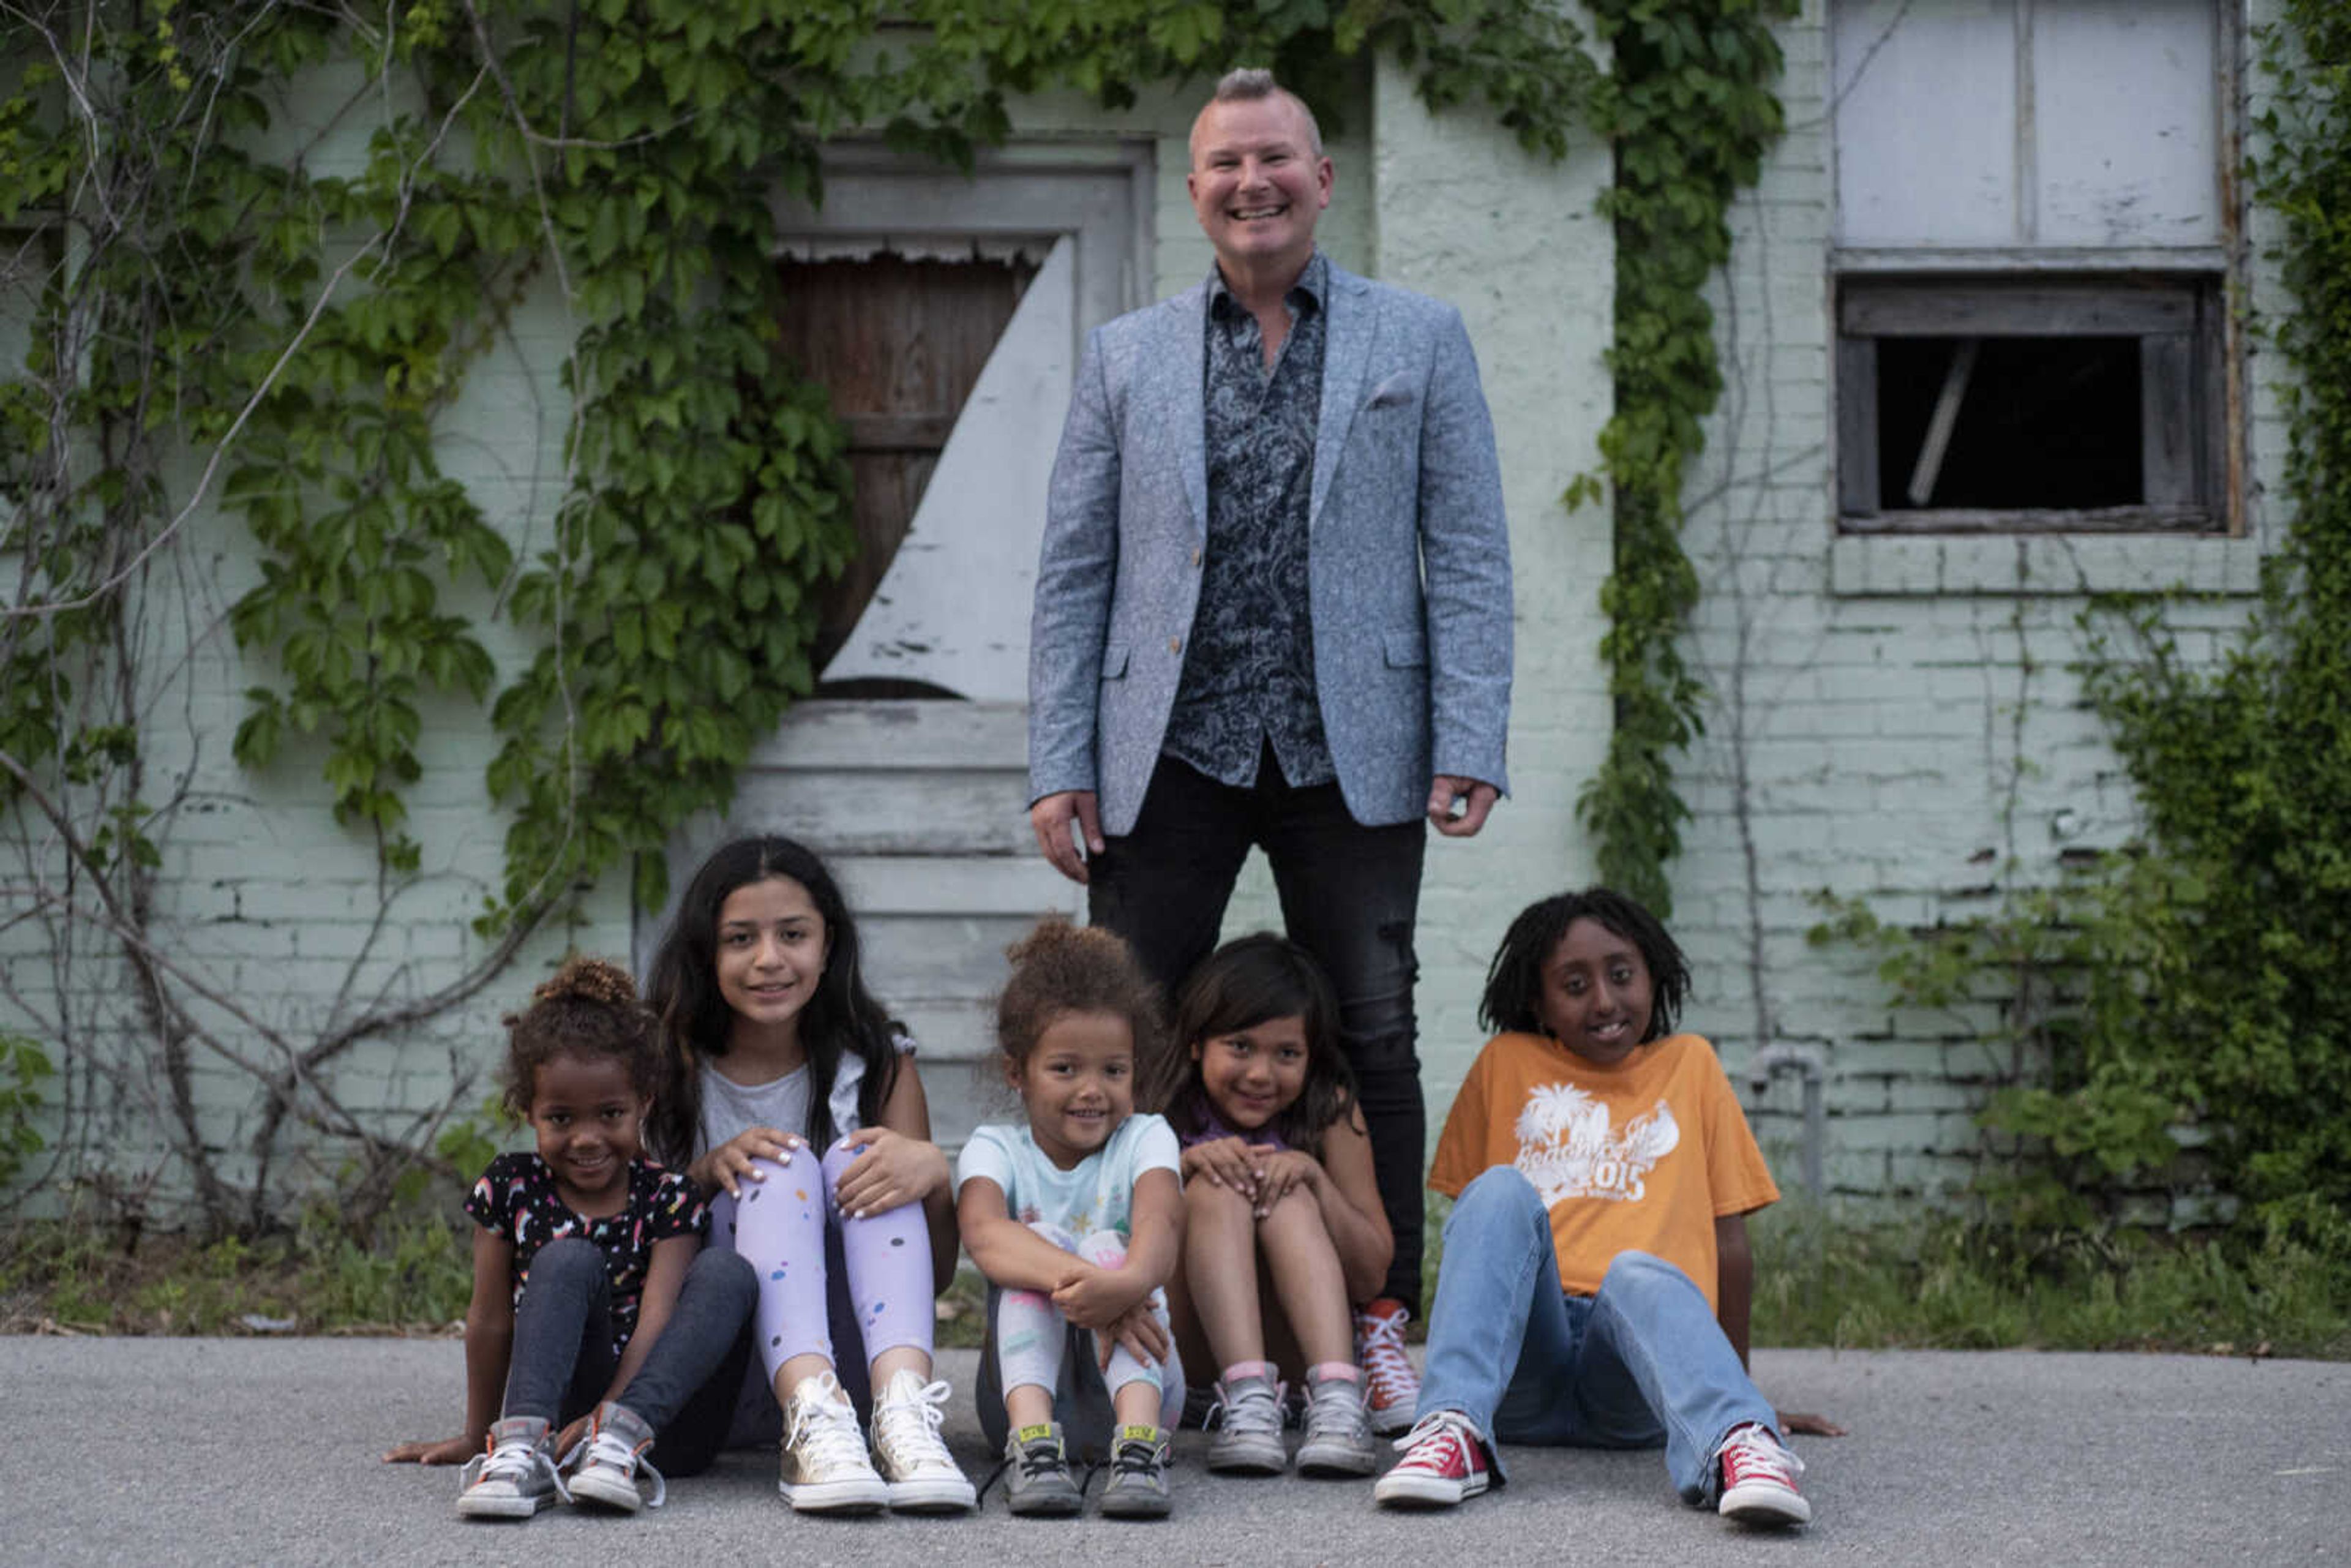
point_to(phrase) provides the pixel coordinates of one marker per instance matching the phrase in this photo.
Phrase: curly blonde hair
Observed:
(1060, 968)
(589, 1008)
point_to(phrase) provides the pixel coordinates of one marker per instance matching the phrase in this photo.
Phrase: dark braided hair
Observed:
(587, 1010)
(1513, 999)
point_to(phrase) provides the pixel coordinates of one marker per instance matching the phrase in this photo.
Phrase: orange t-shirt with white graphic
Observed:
(1642, 1156)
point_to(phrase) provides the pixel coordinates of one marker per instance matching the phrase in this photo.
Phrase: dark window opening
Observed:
(2009, 423)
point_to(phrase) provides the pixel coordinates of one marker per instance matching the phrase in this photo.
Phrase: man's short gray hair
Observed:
(1247, 84)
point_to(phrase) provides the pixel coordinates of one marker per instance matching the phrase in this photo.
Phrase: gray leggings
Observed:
(562, 1360)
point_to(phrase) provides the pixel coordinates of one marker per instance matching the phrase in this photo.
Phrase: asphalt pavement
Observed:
(141, 1451)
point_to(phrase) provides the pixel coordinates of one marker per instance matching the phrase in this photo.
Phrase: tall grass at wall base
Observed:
(1945, 1281)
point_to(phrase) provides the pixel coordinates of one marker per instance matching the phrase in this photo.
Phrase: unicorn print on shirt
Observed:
(1567, 1148)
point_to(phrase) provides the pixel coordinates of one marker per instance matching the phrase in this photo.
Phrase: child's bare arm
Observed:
(1734, 1281)
(664, 1278)
(489, 1344)
(1155, 1242)
(1011, 1256)
(1735, 1293)
(907, 1114)
(1352, 1211)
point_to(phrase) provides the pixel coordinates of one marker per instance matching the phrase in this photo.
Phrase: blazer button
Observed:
(1174, 645)
(1196, 557)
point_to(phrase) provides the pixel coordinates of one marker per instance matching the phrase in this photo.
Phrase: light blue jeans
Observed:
(1644, 1362)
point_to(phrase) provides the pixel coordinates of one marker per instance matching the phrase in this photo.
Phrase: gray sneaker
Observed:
(515, 1477)
(1037, 1480)
(613, 1471)
(1338, 1439)
(1247, 1420)
(1138, 1475)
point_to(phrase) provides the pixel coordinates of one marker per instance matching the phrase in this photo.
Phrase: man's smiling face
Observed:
(1258, 184)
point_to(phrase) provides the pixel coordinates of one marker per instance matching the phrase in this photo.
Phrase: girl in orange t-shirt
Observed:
(1596, 1275)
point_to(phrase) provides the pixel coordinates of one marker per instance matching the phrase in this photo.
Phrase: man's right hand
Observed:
(1052, 817)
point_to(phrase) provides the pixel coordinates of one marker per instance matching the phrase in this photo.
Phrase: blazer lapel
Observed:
(1182, 372)
(1347, 337)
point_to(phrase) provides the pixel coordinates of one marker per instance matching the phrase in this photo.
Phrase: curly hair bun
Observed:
(1054, 937)
(589, 980)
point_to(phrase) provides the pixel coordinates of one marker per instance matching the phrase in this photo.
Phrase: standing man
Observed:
(1273, 608)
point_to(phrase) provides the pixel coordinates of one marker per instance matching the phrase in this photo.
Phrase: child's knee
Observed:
(726, 1274)
(1499, 1189)
(1641, 1274)
(797, 1174)
(1294, 1209)
(1211, 1202)
(569, 1257)
(1104, 1248)
(1054, 1234)
(837, 1161)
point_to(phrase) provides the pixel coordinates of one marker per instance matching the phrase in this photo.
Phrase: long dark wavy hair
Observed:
(841, 1018)
(1242, 983)
(1513, 999)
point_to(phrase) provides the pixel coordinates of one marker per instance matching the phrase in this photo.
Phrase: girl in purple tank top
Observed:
(1283, 1226)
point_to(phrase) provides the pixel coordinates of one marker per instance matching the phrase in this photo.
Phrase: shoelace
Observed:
(604, 1448)
(1335, 1404)
(830, 1430)
(915, 1423)
(1135, 1456)
(1751, 1449)
(1041, 1457)
(516, 1461)
(1447, 1437)
(1382, 1353)
(1254, 1406)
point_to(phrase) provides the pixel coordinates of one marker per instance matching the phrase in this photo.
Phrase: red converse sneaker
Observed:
(1444, 1462)
(1759, 1479)
(1391, 1387)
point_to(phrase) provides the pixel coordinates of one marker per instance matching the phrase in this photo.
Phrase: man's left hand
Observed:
(1474, 798)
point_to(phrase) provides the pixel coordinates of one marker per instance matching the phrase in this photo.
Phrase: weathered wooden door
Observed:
(945, 316)
(899, 342)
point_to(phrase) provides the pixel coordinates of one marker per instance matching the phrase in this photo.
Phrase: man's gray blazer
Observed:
(1408, 559)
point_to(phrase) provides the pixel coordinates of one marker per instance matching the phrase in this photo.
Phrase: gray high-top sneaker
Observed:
(1037, 1480)
(1338, 1439)
(515, 1477)
(613, 1471)
(1138, 1475)
(1248, 1421)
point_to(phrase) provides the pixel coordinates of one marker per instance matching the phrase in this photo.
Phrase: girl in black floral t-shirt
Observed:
(519, 1199)
(593, 1302)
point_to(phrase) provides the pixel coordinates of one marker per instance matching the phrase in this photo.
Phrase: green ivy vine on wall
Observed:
(1691, 112)
(220, 323)
(2181, 1055)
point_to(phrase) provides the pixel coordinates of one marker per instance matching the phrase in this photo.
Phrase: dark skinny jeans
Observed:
(562, 1360)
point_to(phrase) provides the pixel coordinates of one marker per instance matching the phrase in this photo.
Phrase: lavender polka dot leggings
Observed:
(779, 1224)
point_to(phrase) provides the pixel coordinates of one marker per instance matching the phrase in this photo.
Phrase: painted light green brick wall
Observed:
(1903, 712)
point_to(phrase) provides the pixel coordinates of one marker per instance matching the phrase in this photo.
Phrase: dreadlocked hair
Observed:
(1513, 996)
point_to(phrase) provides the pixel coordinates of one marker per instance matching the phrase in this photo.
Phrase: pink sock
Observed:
(1241, 1369)
(1345, 1371)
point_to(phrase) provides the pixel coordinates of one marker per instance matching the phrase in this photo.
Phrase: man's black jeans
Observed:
(1348, 896)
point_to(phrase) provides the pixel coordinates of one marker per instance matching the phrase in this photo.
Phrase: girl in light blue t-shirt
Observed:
(1075, 1216)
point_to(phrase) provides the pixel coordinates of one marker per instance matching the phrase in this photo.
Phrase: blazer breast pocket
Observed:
(1396, 391)
(1406, 650)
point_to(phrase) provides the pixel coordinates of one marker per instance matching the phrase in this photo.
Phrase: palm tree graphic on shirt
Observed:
(1567, 1148)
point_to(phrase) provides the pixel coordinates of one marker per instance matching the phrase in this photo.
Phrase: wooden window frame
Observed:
(2180, 322)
